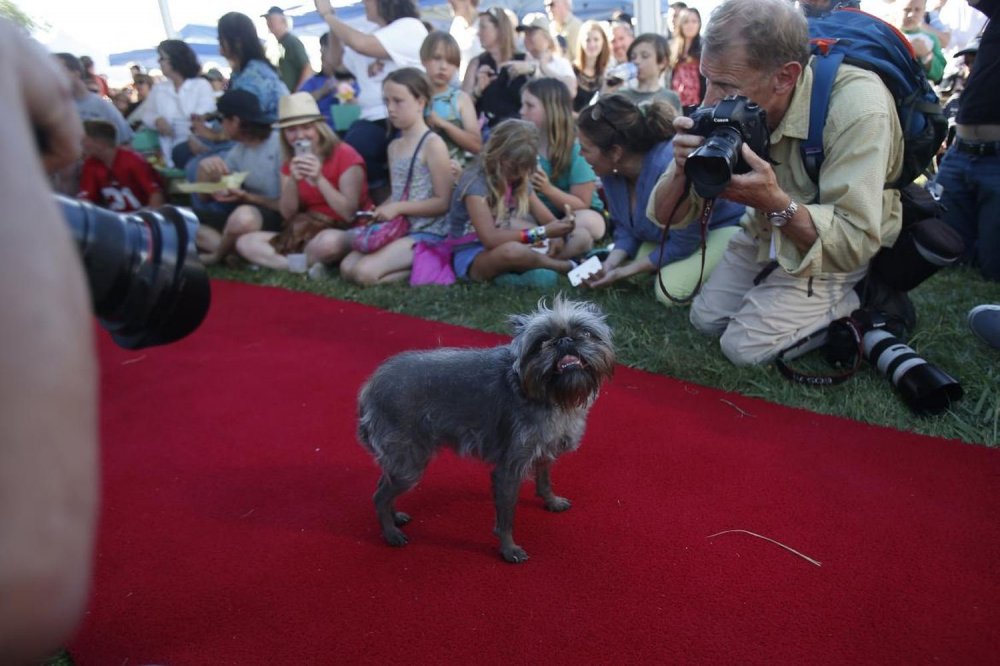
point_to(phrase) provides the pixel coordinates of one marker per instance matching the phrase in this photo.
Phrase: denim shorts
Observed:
(425, 236)
(462, 257)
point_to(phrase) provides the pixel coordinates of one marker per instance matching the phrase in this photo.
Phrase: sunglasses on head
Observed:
(597, 114)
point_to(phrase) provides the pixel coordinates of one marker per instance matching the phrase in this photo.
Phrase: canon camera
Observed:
(735, 120)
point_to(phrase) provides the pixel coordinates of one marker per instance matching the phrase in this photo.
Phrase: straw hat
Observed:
(297, 109)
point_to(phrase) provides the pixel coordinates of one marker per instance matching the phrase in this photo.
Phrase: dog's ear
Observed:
(517, 323)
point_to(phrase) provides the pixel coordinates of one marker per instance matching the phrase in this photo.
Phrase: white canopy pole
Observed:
(168, 25)
(647, 16)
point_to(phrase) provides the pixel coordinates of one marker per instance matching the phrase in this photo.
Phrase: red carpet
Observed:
(237, 523)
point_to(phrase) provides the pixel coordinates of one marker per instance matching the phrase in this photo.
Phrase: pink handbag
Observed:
(377, 235)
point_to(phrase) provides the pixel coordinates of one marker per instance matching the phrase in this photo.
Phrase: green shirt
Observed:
(292, 60)
(579, 171)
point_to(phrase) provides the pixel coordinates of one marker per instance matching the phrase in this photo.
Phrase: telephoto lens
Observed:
(146, 283)
(924, 387)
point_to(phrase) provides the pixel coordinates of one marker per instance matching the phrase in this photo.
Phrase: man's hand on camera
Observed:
(759, 188)
(684, 143)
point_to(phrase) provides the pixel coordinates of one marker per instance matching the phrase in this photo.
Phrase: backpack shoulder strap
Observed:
(824, 68)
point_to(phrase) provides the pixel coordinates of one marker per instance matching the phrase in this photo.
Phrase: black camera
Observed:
(146, 282)
(735, 120)
(924, 387)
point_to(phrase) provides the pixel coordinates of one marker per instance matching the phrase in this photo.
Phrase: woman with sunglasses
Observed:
(629, 146)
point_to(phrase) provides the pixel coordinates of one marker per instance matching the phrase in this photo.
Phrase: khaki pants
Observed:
(756, 322)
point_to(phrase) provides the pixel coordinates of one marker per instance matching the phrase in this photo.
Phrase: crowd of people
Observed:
(526, 146)
(517, 179)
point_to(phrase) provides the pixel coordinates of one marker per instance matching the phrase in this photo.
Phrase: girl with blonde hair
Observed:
(562, 177)
(508, 229)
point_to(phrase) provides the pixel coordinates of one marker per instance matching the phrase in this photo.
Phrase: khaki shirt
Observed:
(854, 216)
(571, 31)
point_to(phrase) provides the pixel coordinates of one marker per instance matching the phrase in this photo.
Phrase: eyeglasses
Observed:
(597, 115)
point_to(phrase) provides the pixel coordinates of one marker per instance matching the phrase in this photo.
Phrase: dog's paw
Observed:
(557, 504)
(395, 537)
(401, 518)
(514, 554)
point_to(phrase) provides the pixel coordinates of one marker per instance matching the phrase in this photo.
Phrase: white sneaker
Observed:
(318, 271)
(984, 320)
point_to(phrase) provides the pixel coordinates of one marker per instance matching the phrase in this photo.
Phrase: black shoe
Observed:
(877, 296)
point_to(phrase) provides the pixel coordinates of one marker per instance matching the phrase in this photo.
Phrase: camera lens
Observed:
(146, 283)
(710, 167)
(924, 387)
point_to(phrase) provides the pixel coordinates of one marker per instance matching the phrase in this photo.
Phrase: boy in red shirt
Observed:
(115, 177)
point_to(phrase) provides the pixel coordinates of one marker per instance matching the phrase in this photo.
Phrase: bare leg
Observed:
(207, 240)
(243, 220)
(505, 489)
(328, 247)
(389, 264)
(577, 244)
(543, 488)
(513, 258)
(592, 222)
(257, 249)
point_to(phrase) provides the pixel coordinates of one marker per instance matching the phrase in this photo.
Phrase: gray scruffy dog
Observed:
(517, 406)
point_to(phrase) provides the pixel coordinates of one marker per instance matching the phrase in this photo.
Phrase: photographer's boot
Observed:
(877, 296)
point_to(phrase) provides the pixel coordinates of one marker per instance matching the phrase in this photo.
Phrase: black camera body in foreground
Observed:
(735, 120)
(146, 282)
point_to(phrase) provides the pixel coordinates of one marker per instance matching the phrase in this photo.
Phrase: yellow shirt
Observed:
(863, 146)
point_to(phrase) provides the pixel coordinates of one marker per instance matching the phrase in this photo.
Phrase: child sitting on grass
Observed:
(510, 230)
(116, 177)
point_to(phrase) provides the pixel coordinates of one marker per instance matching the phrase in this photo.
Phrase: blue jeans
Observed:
(371, 139)
(971, 197)
(214, 148)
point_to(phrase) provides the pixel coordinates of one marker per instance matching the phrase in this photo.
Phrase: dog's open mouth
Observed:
(569, 362)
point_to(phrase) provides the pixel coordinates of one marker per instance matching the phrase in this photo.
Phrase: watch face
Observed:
(778, 220)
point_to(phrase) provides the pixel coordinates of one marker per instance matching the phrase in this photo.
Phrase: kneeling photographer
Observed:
(793, 268)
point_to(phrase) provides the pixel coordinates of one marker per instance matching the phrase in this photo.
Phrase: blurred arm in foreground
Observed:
(48, 374)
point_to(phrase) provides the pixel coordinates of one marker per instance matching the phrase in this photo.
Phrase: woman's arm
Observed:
(345, 197)
(365, 44)
(289, 200)
(469, 82)
(485, 225)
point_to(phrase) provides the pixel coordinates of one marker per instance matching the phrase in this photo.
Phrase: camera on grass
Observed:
(735, 120)
(924, 387)
(146, 283)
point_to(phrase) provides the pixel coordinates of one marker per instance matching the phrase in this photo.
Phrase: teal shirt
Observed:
(579, 171)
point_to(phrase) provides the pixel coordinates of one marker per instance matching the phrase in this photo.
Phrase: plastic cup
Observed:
(297, 263)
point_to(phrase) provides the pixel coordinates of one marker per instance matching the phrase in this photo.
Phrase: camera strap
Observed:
(814, 340)
(706, 215)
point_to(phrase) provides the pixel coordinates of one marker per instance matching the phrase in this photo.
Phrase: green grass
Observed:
(660, 340)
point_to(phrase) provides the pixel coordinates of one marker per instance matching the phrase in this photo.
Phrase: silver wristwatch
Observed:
(781, 217)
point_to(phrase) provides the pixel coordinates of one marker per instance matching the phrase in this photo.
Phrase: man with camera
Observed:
(793, 268)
